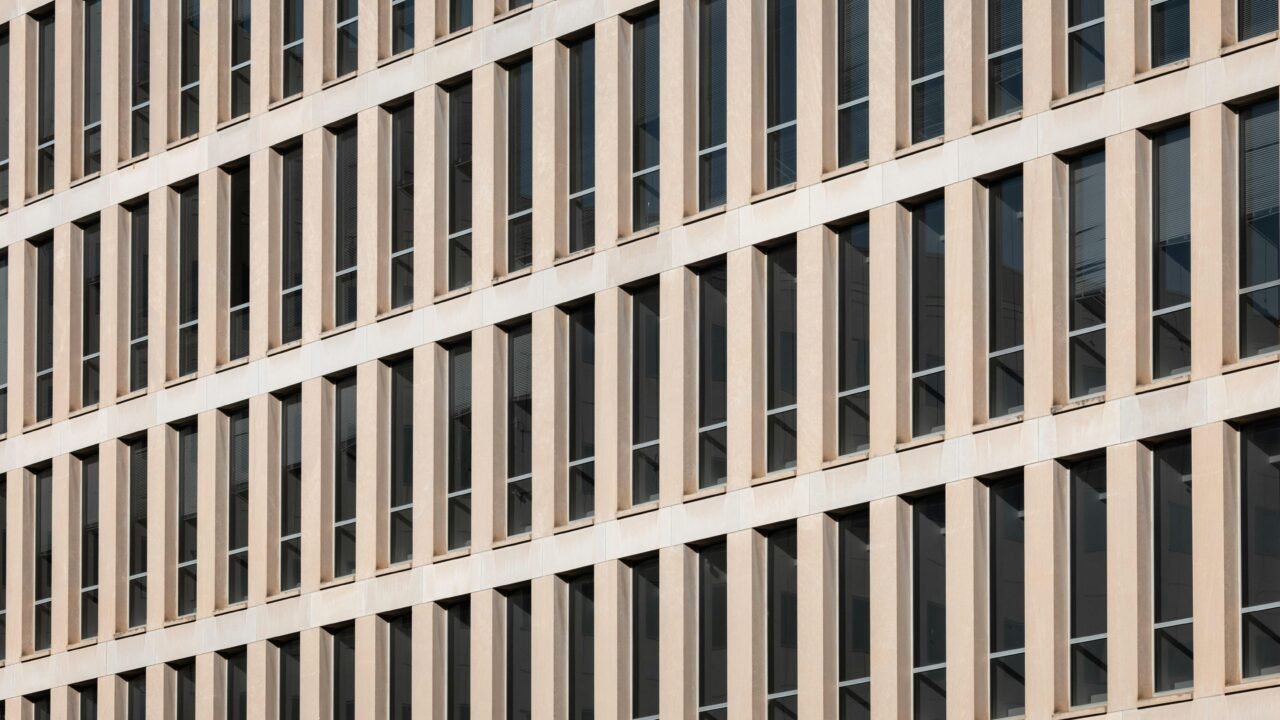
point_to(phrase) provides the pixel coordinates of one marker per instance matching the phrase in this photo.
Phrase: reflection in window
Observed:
(1171, 252)
(43, 252)
(457, 671)
(780, 358)
(853, 401)
(929, 607)
(238, 505)
(1007, 639)
(346, 35)
(712, 370)
(140, 74)
(646, 659)
(402, 204)
(519, 637)
(91, 144)
(241, 17)
(458, 431)
(291, 244)
(1086, 43)
(189, 68)
(520, 165)
(89, 550)
(136, 550)
(582, 653)
(1087, 275)
(780, 93)
(1004, 297)
(928, 318)
(582, 143)
(400, 524)
(291, 53)
(1255, 18)
(344, 476)
(188, 279)
(927, 41)
(646, 363)
(645, 100)
(290, 490)
(43, 586)
(781, 629)
(238, 272)
(346, 204)
(139, 295)
(1259, 137)
(1171, 538)
(342, 664)
(582, 411)
(46, 60)
(187, 519)
(852, 82)
(853, 644)
(459, 187)
(712, 112)
(1259, 556)
(520, 429)
(90, 312)
(1087, 662)
(1004, 57)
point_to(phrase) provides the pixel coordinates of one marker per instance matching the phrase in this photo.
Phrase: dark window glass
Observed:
(519, 655)
(853, 644)
(346, 36)
(137, 539)
(780, 93)
(290, 491)
(402, 26)
(140, 74)
(928, 318)
(519, 429)
(43, 586)
(91, 149)
(1088, 568)
(1004, 298)
(402, 203)
(781, 624)
(582, 411)
(46, 65)
(1171, 530)
(1004, 57)
(288, 666)
(1257, 17)
(291, 244)
(400, 666)
(852, 82)
(1171, 252)
(187, 519)
(645, 100)
(91, 312)
(4, 117)
(401, 431)
(927, 40)
(458, 519)
(582, 650)
(184, 694)
(929, 607)
(291, 48)
(4, 343)
(345, 225)
(44, 329)
(520, 165)
(459, 260)
(86, 700)
(646, 363)
(1259, 229)
(238, 280)
(1259, 552)
(241, 17)
(4, 558)
(646, 660)
(582, 144)
(713, 633)
(458, 661)
(459, 15)
(1087, 280)
(237, 680)
(238, 505)
(89, 513)
(135, 696)
(780, 354)
(1086, 43)
(189, 68)
(712, 102)
(712, 371)
(1007, 641)
(853, 402)
(1170, 31)
(344, 476)
(342, 657)
(188, 279)
(39, 706)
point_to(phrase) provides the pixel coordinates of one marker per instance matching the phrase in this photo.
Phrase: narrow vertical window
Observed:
(646, 364)
(46, 60)
(238, 271)
(288, 677)
(140, 75)
(1087, 663)
(519, 646)
(189, 69)
(346, 206)
(713, 323)
(645, 656)
(780, 93)
(4, 560)
(291, 55)
(241, 41)
(187, 520)
(1170, 31)
(520, 165)
(401, 500)
(342, 659)
(135, 695)
(582, 650)
(400, 666)
(582, 143)
(4, 117)
(1255, 18)
(712, 103)
(4, 343)
(458, 429)
(236, 677)
(91, 147)
(290, 491)
(90, 313)
(1259, 250)
(853, 644)
(1259, 563)
(645, 101)
(459, 188)
(238, 505)
(852, 82)
(402, 204)
(344, 476)
(459, 15)
(458, 660)
(137, 534)
(44, 329)
(139, 296)
(89, 513)
(929, 607)
(1004, 57)
(927, 41)
(401, 26)
(188, 279)
(1086, 56)
(39, 706)
(781, 628)
(928, 318)
(1007, 593)
(1173, 581)
(346, 35)
(43, 586)
(853, 401)
(184, 689)
(1087, 279)
(519, 429)
(291, 244)
(1171, 252)
(1004, 298)
(582, 412)
(713, 633)
(780, 357)
(86, 700)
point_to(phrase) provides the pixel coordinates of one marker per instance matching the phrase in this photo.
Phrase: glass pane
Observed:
(1088, 673)
(927, 110)
(1088, 549)
(400, 666)
(460, 159)
(1004, 84)
(582, 647)
(1005, 381)
(1088, 372)
(928, 283)
(1008, 686)
(712, 625)
(1257, 17)
(1007, 581)
(928, 404)
(713, 459)
(1170, 32)
(854, 415)
(929, 693)
(645, 656)
(519, 400)
(1174, 666)
(780, 346)
(780, 440)
(1086, 57)
(853, 646)
(929, 580)
(343, 657)
(519, 657)
(1171, 344)
(1005, 273)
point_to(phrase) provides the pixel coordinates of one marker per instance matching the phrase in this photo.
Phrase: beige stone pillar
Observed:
(613, 131)
(1215, 497)
(890, 608)
(550, 164)
(746, 614)
(264, 59)
(112, 526)
(428, 664)
(65, 22)
(1128, 582)
(612, 640)
(60, 626)
(550, 608)
(22, 104)
(1044, 289)
(817, 261)
(264, 240)
(1127, 229)
(211, 692)
(66, 296)
(815, 91)
(164, 75)
(160, 691)
(316, 543)
(373, 231)
(744, 91)
(428, 448)
(550, 401)
(211, 470)
(612, 403)
(313, 674)
(371, 667)
(213, 283)
(1043, 52)
(162, 538)
(678, 385)
(21, 354)
(962, 310)
(109, 369)
(967, 606)
(429, 156)
(488, 655)
(162, 287)
(1048, 513)
(372, 460)
(1125, 54)
(678, 629)
(1213, 255)
(963, 91)
(746, 294)
(819, 621)
(317, 228)
(889, 330)
(678, 101)
(887, 79)
(1213, 25)
(313, 49)
(215, 55)
(264, 497)
(487, 138)
(375, 25)
(115, 55)
(488, 383)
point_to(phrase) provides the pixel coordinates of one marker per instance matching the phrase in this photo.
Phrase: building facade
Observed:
(715, 359)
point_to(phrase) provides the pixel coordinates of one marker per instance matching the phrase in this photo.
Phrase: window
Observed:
(237, 684)
(135, 695)
(1259, 564)
(1087, 663)
(288, 675)
(43, 590)
(401, 500)
(713, 633)
(519, 637)
(400, 666)
(928, 318)
(927, 41)
(347, 35)
(1256, 17)
(241, 41)
(853, 401)
(519, 429)
(291, 244)
(712, 102)
(645, 126)
(1087, 282)
(184, 691)
(929, 607)
(240, 251)
(1170, 32)
(189, 69)
(91, 147)
(646, 659)
(780, 93)
(457, 671)
(345, 223)
(459, 15)
(238, 505)
(4, 342)
(713, 414)
(139, 296)
(582, 651)
(46, 59)
(188, 279)
(1007, 638)
(140, 74)
(646, 364)
(1171, 252)
(781, 628)
(460, 185)
(291, 55)
(344, 476)
(187, 519)
(1086, 57)
(1259, 229)
(290, 490)
(582, 143)
(853, 644)
(852, 83)
(44, 328)
(520, 165)
(1004, 57)
(582, 412)
(4, 560)
(137, 537)
(89, 513)
(1172, 540)
(342, 658)
(458, 520)
(4, 117)
(1004, 298)
(780, 357)
(402, 204)
(91, 312)
(86, 700)
(39, 705)
(401, 26)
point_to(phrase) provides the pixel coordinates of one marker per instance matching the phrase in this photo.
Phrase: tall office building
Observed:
(688, 359)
